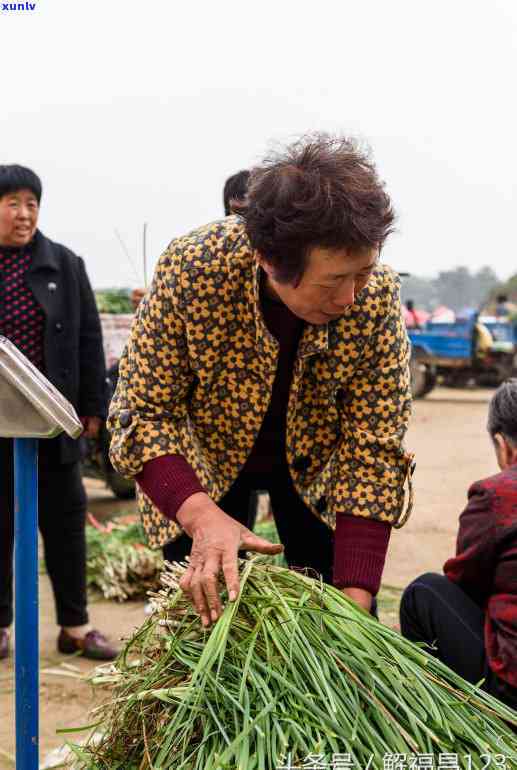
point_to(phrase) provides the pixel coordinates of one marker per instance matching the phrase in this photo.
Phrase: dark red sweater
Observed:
(485, 565)
(360, 545)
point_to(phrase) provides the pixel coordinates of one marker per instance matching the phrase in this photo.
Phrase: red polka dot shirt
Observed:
(21, 318)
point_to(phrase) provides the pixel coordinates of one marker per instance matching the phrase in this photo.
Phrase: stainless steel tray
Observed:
(30, 406)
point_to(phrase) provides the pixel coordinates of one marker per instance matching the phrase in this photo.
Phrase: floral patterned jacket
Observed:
(197, 373)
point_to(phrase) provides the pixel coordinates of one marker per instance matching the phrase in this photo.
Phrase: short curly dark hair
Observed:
(320, 191)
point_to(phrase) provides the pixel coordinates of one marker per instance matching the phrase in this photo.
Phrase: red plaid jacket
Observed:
(485, 565)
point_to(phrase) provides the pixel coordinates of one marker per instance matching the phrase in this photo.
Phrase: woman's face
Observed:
(18, 218)
(330, 283)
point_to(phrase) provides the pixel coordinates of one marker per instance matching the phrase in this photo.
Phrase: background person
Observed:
(412, 319)
(234, 192)
(502, 308)
(48, 311)
(470, 613)
(271, 353)
(136, 297)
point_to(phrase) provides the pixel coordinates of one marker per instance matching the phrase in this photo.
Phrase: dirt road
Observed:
(448, 435)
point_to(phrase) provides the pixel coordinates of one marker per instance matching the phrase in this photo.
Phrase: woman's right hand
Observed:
(217, 539)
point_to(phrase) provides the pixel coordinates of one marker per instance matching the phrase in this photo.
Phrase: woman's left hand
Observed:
(359, 596)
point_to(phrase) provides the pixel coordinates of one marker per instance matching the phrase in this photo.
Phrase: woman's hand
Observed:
(359, 596)
(217, 539)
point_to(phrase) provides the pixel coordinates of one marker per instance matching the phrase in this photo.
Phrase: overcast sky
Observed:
(136, 112)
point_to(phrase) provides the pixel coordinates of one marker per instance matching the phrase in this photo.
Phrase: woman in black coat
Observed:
(48, 310)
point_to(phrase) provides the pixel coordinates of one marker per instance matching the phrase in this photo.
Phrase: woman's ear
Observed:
(265, 266)
(503, 451)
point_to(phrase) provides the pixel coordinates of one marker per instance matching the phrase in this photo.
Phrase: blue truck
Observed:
(475, 349)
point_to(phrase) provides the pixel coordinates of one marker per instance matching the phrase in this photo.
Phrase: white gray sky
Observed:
(136, 111)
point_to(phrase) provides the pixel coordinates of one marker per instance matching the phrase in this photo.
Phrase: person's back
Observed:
(468, 615)
(486, 565)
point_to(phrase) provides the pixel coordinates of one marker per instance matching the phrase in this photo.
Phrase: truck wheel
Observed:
(418, 374)
(431, 379)
(122, 488)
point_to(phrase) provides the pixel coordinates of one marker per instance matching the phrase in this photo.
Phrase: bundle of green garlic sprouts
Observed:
(291, 669)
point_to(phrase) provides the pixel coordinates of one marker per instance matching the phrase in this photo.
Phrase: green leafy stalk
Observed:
(292, 666)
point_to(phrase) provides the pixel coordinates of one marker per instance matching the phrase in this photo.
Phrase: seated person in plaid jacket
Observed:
(469, 614)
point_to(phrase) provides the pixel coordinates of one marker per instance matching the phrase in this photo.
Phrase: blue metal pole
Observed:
(26, 602)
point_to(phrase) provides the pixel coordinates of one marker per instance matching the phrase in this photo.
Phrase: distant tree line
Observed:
(509, 288)
(458, 289)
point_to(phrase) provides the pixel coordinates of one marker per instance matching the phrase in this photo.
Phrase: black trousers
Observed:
(436, 611)
(62, 511)
(308, 543)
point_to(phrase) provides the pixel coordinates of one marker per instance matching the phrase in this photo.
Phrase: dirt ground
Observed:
(447, 434)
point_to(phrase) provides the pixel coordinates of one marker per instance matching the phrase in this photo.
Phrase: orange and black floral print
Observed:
(197, 374)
